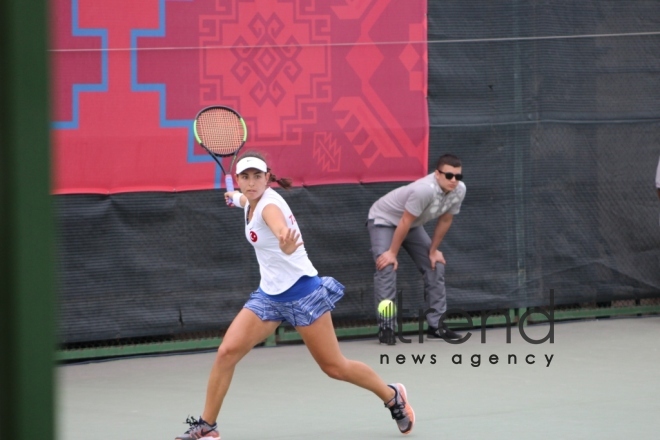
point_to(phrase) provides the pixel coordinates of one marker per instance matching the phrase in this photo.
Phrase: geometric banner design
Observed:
(332, 91)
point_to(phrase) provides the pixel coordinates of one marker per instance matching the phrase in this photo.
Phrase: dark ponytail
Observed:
(284, 182)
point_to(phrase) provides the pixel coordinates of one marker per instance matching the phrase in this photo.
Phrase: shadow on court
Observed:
(598, 380)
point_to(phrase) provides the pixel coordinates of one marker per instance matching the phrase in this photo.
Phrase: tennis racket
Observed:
(222, 132)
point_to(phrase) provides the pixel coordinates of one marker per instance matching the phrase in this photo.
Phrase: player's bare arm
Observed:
(274, 218)
(389, 257)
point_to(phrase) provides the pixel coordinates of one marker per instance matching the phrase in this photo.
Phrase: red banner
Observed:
(332, 91)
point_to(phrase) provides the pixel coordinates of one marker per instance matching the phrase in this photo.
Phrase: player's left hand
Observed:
(289, 241)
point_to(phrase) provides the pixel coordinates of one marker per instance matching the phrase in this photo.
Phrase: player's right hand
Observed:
(229, 198)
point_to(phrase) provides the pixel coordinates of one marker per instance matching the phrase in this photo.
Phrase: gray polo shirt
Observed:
(422, 198)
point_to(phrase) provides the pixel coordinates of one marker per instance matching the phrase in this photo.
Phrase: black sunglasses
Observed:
(450, 176)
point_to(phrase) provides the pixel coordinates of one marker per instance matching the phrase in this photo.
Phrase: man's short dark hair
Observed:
(448, 159)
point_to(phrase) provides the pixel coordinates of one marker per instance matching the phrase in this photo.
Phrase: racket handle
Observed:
(229, 183)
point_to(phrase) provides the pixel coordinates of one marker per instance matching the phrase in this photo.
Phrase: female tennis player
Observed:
(290, 290)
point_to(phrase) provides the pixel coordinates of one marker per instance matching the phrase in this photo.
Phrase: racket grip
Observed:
(229, 183)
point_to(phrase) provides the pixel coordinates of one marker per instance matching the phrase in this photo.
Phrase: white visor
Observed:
(251, 162)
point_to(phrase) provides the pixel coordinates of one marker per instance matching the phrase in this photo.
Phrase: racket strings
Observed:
(220, 131)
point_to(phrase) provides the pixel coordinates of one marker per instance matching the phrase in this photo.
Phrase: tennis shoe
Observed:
(200, 430)
(386, 336)
(401, 410)
(442, 334)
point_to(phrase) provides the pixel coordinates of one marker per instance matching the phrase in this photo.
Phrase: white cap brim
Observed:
(251, 162)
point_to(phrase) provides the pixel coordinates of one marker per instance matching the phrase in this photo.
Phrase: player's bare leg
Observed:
(322, 343)
(246, 331)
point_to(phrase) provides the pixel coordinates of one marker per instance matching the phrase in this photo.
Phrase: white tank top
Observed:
(278, 270)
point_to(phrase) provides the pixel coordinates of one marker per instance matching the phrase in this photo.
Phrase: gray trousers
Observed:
(417, 243)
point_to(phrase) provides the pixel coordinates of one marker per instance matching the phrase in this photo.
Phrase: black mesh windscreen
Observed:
(143, 264)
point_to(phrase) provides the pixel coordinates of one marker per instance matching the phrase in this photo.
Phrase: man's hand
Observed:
(436, 257)
(385, 259)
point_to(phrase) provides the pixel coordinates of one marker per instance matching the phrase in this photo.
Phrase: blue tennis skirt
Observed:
(302, 312)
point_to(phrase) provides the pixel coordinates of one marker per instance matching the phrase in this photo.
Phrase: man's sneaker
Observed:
(401, 410)
(386, 336)
(443, 333)
(200, 430)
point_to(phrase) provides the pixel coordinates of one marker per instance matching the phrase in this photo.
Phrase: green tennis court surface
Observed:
(602, 382)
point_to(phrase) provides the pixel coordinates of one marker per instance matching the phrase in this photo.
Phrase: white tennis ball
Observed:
(386, 308)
